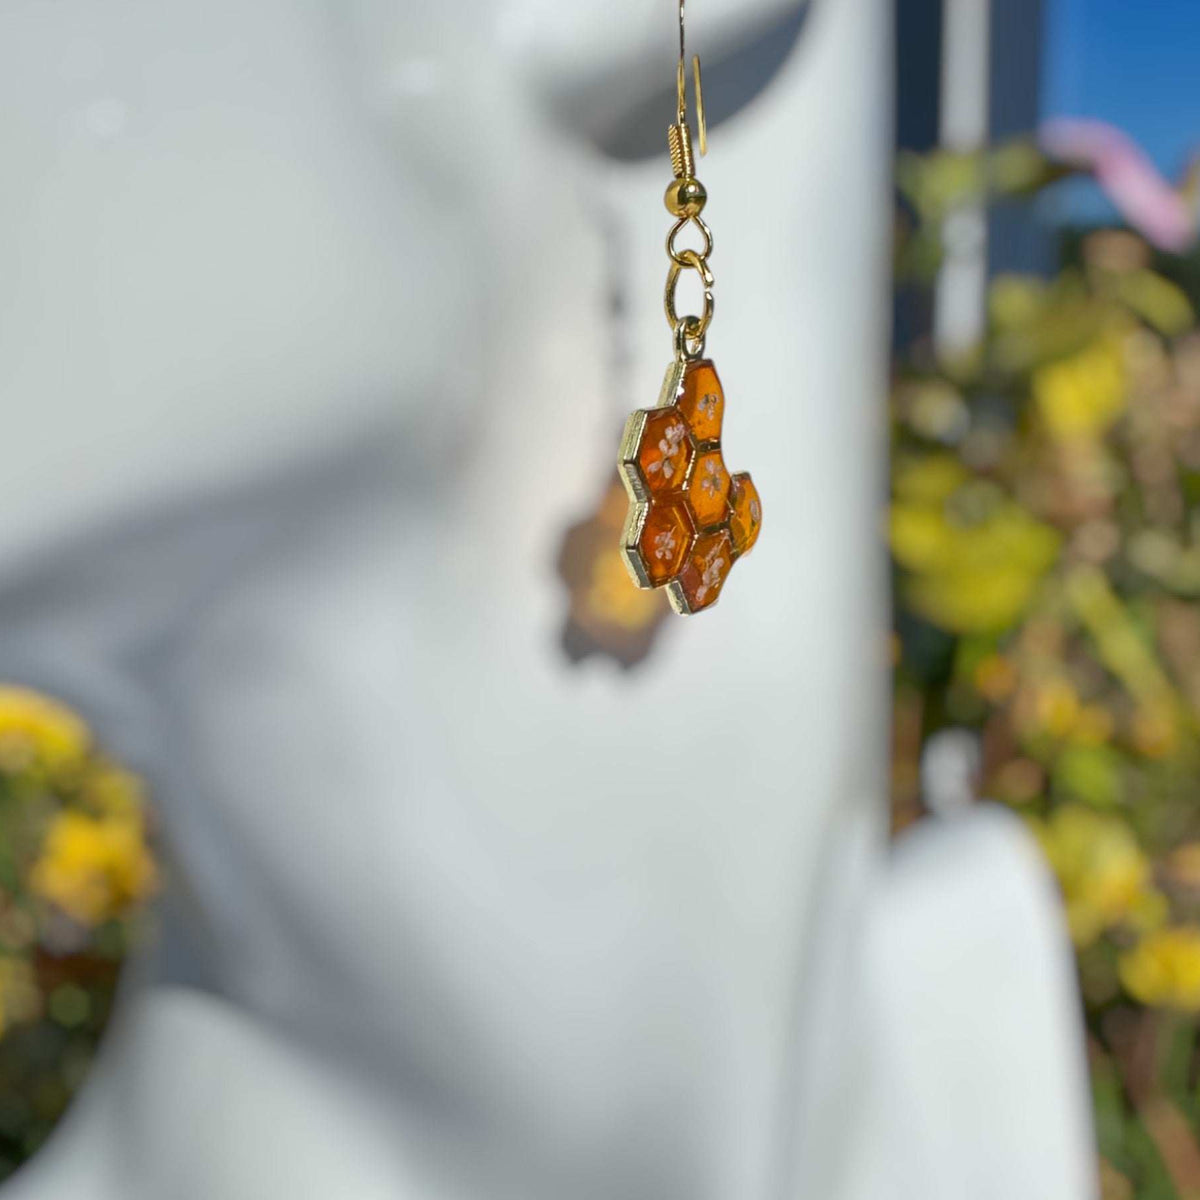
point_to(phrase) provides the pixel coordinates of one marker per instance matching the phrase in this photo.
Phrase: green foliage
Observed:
(1045, 534)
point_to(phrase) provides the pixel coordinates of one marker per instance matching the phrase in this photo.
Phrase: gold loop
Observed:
(679, 256)
(687, 329)
(693, 261)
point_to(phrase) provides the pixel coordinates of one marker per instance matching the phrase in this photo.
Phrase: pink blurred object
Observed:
(1130, 180)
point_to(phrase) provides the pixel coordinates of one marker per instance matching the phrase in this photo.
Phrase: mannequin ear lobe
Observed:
(628, 122)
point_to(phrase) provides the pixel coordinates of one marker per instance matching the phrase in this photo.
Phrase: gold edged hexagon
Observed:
(665, 542)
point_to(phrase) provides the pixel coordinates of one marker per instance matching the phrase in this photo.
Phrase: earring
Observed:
(689, 520)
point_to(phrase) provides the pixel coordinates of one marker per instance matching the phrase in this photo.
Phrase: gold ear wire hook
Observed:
(680, 76)
(679, 135)
(681, 88)
(685, 196)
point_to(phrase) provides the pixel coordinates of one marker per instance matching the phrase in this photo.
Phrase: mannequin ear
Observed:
(625, 109)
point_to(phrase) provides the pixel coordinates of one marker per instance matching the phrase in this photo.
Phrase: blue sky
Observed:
(1135, 63)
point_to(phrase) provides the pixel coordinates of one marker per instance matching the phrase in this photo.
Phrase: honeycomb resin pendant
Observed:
(689, 520)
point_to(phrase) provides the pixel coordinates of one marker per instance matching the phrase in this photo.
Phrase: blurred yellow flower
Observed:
(93, 868)
(1081, 396)
(38, 734)
(1103, 874)
(1163, 969)
(974, 557)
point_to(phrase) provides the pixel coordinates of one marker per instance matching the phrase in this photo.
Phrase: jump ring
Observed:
(677, 256)
(694, 262)
(706, 277)
(688, 329)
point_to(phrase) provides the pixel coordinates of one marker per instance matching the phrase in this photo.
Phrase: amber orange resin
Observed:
(745, 519)
(664, 541)
(689, 519)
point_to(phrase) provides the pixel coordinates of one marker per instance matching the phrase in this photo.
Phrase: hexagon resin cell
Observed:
(689, 520)
(665, 452)
(663, 542)
(708, 490)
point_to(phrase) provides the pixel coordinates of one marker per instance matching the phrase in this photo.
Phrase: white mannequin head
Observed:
(272, 235)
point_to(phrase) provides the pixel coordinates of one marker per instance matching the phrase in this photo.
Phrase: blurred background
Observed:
(1043, 501)
(365, 832)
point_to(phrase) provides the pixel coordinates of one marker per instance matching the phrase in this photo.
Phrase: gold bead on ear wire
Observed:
(689, 520)
(686, 197)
